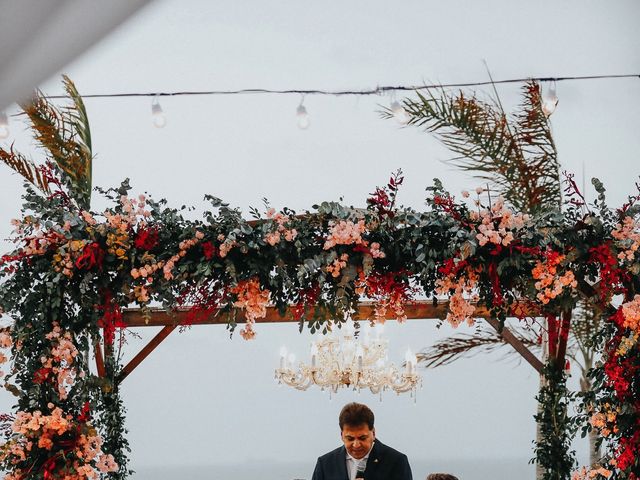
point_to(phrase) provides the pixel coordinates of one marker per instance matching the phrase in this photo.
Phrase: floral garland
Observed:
(74, 270)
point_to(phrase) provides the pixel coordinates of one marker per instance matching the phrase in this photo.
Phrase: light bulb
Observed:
(549, 102)
(303, 117)
(283, 351)
(314, 353)
(291, 359)
(399, 113)
(157, 115)
(411, 359)
(4, 126)
(409, 356)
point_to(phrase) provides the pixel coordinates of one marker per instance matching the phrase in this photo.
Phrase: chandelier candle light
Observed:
(340, 359)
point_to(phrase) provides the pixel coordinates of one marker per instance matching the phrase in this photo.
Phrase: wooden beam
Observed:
(519, 347)
(420, 309)
(144, 353)
(169, 320)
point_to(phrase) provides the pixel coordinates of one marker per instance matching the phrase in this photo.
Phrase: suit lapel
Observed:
(374, 462)
(342, 463)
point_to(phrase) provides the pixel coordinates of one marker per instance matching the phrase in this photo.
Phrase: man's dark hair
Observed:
(441, 476)
(354, 414)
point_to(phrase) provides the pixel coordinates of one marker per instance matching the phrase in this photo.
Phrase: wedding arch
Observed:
(74, 274)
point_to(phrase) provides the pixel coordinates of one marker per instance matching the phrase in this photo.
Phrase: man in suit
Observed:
(362, 455)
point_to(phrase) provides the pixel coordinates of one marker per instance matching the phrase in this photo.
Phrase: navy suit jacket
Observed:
(384, 463)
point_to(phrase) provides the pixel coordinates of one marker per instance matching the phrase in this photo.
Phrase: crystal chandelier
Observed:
(340, 359)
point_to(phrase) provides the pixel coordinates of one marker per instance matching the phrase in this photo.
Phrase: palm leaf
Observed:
(65, 137)
(77, 116)
(25, 167)
(487, 340)
(455, 347)
(536, 142)
(517, 156)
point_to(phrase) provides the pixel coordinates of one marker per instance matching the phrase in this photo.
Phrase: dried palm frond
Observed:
(65, 136)
(485, 340)
(517, 155)
(533, 132)
(25, 167)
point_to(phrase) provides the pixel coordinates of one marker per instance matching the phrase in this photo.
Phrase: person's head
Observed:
(441, 476)
(356, 429)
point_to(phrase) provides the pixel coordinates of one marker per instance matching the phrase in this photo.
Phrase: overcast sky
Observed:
(202, 398)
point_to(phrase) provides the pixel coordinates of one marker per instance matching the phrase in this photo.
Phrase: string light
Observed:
(4, 126)
(374, 91)
(303, 116)
(157, 115)
(550, 101)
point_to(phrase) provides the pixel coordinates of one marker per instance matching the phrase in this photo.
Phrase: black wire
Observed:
(374, 91)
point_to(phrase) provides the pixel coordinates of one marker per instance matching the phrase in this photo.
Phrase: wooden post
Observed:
(97, 349)
(563, 336)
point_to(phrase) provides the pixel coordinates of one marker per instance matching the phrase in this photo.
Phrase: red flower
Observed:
(306, 298)
(146, 238)
(92, 256)
(627, 457)
(84, 414)
(527, 250)
(618, 375)
(498, 300)
(379, 198)
(208, 250)
(450, 267)
(361, 248)
(41, 375)
(111, 318)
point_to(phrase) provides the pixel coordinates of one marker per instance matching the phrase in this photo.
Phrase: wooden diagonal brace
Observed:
(144, 353)
(519, 347)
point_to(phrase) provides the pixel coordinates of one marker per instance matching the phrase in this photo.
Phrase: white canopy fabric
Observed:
(37, 38)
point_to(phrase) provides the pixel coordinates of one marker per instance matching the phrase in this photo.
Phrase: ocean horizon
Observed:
(476, 469)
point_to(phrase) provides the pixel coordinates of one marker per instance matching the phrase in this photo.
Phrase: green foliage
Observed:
(112, 426)
(557, 426)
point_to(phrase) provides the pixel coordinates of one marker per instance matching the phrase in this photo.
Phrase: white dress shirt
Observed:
(352, 464)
